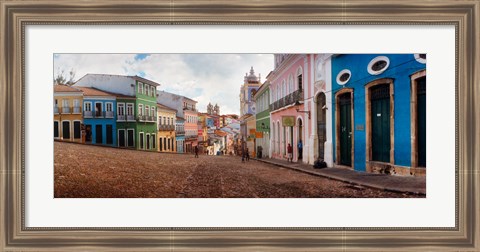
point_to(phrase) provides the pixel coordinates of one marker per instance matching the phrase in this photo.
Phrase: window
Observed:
(152, 111)
(421, 57)
(300, 78)
(140, 109)
(343, 77)
(378, 65)
(147, 90)
(290, 84)
(140, 87)
(153, 91)
(120, 109)
(109, 106)
(98, 109)
(147, 110)
(88, 106)
(130, 109)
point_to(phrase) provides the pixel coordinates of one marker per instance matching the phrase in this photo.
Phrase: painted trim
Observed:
(413, 118)
(344, 71)
(418, 59)
(375, 60)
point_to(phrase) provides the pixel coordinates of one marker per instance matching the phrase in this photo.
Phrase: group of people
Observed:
(245, 155)
(290, 151)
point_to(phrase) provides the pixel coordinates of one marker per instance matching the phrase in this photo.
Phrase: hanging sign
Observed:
(288, 121)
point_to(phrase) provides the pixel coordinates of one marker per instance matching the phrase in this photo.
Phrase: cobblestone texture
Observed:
(83, 171)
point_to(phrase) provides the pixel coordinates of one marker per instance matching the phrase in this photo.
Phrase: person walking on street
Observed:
(196, 151)
(289, 153)
(247, 155)
(300, 149)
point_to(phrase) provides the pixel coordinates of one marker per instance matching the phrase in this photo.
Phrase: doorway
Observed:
(321, 125)
(345, 128)
(422, 121)
(98, 134)
(380, 118)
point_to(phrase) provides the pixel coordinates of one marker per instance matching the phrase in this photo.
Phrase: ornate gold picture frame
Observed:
(17, 15)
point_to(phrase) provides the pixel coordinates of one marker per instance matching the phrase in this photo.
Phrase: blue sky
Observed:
(214, 78)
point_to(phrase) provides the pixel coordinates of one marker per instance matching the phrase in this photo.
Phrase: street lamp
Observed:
(297, 104)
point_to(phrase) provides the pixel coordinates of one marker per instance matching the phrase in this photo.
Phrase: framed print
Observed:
(348, 61)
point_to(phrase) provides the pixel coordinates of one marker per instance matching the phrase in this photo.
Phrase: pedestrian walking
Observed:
(289, 153)
(196, 151)
(247, 155)
(300, 149)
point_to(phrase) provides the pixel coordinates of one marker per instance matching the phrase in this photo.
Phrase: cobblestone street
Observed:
(84, 171)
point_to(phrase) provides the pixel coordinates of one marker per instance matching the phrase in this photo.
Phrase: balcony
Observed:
(165, 127)
(290, 99)
(190, 108)
(108, 114)
(121, 118)
(87, 114)
(145, 118)
(67, 110)
(180, 132)
(130, 118)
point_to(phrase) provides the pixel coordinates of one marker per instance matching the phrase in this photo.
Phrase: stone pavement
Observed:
(394, 183)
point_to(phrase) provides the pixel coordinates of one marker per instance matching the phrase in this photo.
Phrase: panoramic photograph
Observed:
(239, 125)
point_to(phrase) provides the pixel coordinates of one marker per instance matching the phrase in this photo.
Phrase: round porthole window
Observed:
(421, 57)
(343, 76)
(378, 65)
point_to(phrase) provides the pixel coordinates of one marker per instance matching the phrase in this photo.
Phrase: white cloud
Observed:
(214, 78)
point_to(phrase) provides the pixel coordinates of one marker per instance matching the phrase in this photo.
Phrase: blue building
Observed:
(379, 112)
(99, 110)
(180, 134)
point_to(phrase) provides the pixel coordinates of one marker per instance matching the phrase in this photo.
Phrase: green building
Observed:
(136, 107)
(262, 116)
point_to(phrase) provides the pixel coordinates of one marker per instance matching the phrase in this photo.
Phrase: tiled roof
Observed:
(165, 107)
(64, 88)
(88, 91)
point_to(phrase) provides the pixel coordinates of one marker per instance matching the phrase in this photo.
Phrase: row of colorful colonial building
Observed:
(129, 112)
(365, 112)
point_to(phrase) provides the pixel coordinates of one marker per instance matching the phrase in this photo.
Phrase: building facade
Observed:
(166, 117)
(250, 85)
(99, 116)
(67, 113)
(144, 129)
(186, 108)
(262, 104)
(180, 134)
(379, 112)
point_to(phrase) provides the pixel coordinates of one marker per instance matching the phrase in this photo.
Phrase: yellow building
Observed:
(67, 114)
(166, 117)
(251, 131)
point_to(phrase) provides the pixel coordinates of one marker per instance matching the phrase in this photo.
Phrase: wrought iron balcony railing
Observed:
(287, 100)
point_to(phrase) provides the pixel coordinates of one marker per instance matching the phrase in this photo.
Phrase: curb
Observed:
(370, 185)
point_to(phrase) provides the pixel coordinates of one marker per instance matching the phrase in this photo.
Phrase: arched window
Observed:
(290, 84)
(300, 78)
(284, 88)
(278, 92)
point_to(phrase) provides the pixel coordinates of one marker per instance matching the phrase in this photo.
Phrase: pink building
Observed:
(298, 105)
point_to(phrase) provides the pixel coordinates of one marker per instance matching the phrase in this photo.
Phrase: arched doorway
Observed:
(300, 139)
(321, 124)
